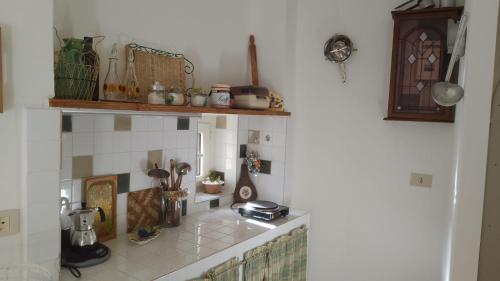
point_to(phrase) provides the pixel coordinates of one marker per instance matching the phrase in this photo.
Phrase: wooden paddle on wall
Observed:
(253, 61)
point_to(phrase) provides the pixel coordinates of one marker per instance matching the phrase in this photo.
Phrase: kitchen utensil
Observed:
(144, 208)
(102, 191)
(253, 96)
(253, 61)
(173, 207)
(263, 210)
(173, 210)
(83, 222)
(64, 218)
(181, 169)
(338, 49)
(172, 175)
(156, 93)
(447, 93)
(160, 174)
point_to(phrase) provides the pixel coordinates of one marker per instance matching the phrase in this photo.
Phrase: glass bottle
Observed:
(90, 59)
(130, 83)
(113, 89)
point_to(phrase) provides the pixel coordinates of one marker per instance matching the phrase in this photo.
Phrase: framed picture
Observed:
(101, 192)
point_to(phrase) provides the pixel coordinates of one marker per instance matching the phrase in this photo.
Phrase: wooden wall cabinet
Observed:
(419, 59)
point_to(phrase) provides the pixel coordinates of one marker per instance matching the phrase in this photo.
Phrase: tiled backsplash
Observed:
(129, 145)
(126, 145)
(271, 147)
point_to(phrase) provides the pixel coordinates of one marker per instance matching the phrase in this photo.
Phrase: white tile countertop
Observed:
(200, 236)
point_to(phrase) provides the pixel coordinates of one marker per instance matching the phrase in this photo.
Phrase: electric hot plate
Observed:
(263, 210)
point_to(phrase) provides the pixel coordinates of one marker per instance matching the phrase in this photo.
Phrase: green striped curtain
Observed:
(228, 271)
(283, 259)
(255, 264)
(297, 260)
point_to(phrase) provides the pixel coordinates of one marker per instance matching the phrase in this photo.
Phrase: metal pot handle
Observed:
(101, 214)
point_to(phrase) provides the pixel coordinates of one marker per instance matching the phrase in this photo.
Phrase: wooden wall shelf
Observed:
(139, 107)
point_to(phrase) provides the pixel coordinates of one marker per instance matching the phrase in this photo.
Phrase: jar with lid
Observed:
(175, 96)
(156, 93)
(220, 95)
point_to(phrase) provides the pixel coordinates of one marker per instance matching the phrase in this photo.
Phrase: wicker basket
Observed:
(75, 80)
(156, 65)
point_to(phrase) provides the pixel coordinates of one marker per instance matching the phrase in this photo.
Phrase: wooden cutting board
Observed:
(101, 192)
(143, 208)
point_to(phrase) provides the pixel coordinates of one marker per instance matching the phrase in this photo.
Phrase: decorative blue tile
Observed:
(184, 207)
(123, 183)
(67, 124)
(265, 167)
(214, 203)
(243, 150)
(182, 123)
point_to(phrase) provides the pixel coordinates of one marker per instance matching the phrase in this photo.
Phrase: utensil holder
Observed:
(172, 213)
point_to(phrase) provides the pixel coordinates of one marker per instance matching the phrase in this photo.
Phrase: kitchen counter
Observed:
(203, 240)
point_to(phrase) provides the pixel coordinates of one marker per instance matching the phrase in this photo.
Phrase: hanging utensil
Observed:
(181, 169)
(172, 174)
(447, 93)
(160, 174)
(338, 49)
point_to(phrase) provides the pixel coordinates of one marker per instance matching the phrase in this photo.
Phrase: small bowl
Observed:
(212, 188)
(199, 100)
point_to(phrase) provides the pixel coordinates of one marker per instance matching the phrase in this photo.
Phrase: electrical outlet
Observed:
(9, 222)
(4, 225)
(421, 180)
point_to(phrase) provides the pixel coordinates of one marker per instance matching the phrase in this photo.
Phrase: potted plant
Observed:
(213, 182)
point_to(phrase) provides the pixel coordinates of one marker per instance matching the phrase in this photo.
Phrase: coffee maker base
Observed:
(85, 256)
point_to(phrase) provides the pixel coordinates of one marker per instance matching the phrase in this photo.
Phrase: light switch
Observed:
(421, 180)
(9, 222)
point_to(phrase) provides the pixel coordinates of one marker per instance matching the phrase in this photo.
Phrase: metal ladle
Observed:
(447, 93)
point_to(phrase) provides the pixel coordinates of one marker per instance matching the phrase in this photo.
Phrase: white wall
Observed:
(351, 169)
(27, 53)
(473, 129)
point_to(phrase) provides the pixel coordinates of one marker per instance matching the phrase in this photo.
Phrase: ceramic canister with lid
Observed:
(156, 93)
(220, 95)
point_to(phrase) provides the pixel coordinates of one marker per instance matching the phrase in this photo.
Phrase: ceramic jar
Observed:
(199, 100)
(220, 95)
(156, 93)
